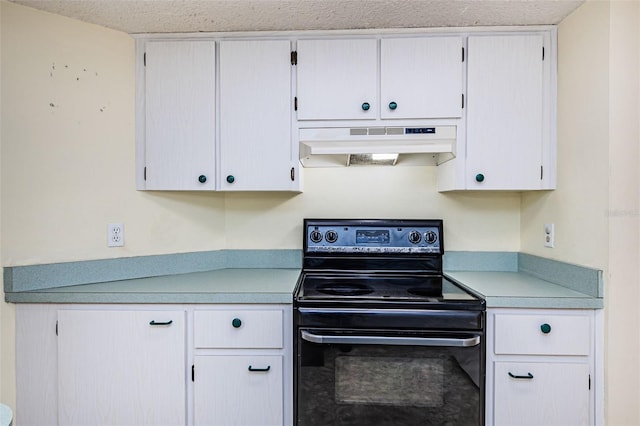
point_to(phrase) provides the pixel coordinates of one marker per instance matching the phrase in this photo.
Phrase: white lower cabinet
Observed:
(121, 367)
(154, 364)
(541, 393)
(239, 390)
(240, 366)
(541, 367)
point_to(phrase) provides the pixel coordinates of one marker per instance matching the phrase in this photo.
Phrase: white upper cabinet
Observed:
(509, 140)
(228, 112)
(256, 149)
(179, 115)
(421, 77)
(337, 79)
(418, 78)
(508, 134)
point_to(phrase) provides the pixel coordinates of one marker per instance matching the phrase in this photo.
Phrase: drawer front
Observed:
(238, 328)
(540, 334)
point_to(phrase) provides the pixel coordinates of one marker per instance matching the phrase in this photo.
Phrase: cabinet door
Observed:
(421, 77)
(117, 368)
(505, 87)
(337, 79)
(238, 390)
(179, 115)
(547, 394)
(256, 149)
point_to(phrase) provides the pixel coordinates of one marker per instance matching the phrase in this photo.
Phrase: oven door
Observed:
(354, 378)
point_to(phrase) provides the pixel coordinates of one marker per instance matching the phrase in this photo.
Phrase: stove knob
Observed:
(414, 237)
(331, 236)
(431, 237)
(316, 236)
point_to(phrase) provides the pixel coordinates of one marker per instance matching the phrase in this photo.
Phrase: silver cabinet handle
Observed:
(392, 340)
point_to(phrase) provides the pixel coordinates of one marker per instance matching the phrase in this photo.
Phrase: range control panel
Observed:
(373, 236)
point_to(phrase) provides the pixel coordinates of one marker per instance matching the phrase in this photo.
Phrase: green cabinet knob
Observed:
(479, 177)
(545, 328)
(365, 106)
(236, 323)
(202, 178)
(231, 179)
(393, 105)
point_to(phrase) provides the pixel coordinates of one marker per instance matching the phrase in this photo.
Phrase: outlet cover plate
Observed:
(115, 235)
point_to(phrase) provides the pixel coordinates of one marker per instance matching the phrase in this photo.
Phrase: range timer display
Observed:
(377, 237)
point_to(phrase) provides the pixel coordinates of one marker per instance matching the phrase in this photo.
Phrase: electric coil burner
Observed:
(382, 335)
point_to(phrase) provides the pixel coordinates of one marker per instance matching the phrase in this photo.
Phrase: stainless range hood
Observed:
(344, 146)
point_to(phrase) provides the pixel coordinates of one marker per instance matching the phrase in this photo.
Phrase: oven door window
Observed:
(406, 381)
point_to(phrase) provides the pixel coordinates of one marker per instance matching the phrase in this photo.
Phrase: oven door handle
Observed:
(391, 340)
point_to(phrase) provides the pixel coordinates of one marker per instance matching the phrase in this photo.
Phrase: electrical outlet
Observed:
(115, 235)
(549, 235)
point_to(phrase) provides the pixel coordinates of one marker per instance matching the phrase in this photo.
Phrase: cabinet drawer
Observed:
(541, 334)
(238, 328)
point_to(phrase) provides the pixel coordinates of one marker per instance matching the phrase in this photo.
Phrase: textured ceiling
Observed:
(159, 16)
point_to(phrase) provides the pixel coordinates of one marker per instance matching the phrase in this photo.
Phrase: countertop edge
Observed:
(146, 298)
(544, 302)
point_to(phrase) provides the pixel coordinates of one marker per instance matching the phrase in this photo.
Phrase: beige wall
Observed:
(623, 292)
(578, 206)
(7, 353)
(67, 170)
(596, 205)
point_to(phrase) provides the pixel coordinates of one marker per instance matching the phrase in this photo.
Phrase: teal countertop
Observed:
(219, 286)
(521, 290)
(504, 279)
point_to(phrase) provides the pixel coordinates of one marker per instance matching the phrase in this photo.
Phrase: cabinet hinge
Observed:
(541, 172)
(56, 328)
(145, 173)
(295, 103)
(293, 174)
(294, 58)
(463, 54)
(543, 53)
(193, 372)
(463, 101)
(144, 59)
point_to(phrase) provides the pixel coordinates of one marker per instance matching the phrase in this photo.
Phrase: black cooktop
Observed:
(388, 289)
(378, 263)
